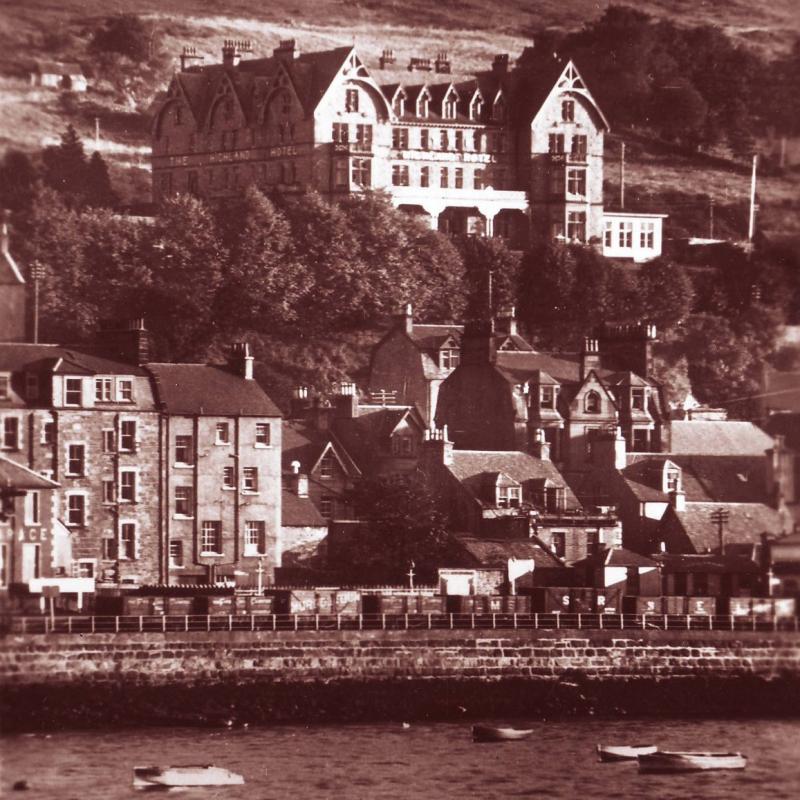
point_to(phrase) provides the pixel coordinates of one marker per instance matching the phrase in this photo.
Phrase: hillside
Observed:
(40, 29)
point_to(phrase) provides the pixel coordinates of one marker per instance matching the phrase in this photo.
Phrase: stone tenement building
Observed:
(492, 152)
(162, 470)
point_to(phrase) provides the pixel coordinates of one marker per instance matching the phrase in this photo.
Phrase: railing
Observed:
(353, 622)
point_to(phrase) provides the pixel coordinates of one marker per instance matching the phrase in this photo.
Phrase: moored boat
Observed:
(189, 775)
(493, 733)
(671, 761)
(611, 752)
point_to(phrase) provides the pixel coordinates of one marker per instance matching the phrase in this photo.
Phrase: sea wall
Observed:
(274, 676)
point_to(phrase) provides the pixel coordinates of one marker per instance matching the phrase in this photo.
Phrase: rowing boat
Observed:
(666, 761)
(190, 775)
(610, 752)
(493, 733)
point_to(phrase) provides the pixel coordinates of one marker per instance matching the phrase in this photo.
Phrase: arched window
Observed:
(400, 104)
(591, 403)
(423, 103)
(499, 110)
(476, 107)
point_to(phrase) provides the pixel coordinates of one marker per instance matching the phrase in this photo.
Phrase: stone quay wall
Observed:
(279, 676)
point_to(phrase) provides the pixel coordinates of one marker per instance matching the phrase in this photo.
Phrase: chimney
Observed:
(241, 360)
(437, 449)
(609, 449)
(300, 404)
(419, 64)
(347, 401)
(387, 58)
(405, 319)
(233, 50)
(677, 499)
(126, 341)
(500, 64)
(507, 321)
(590, 356)
(540, 447)
(628, 347)
(286, 51)
(442, 63)
(477, 343)
(322, 413)
(189, 58)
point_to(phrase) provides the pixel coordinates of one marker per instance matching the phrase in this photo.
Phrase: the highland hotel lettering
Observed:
(503, 152)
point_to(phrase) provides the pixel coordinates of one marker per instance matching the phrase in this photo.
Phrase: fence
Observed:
(342, 622)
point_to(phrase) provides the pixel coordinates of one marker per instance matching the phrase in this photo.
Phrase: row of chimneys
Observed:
(320, 409)
(438, 446)
(234, 49)
(505, 321)
(416, 64)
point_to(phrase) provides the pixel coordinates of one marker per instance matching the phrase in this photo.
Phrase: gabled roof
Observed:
(18, 356)
(718, 438)
(58, 68)
(303, 442)
(10, 274)
(209, 390)
(299, 512)
(621, 557)
(626, 379)
(17, 476)
(432, 337)
(497, 552)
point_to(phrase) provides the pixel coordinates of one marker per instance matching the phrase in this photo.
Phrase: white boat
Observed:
(666, 761)
(621, 752)
(189, 775)
(493, 733)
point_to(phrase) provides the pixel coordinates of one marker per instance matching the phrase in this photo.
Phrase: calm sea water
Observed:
(422, 761)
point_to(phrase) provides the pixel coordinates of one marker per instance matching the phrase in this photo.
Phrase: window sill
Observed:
(205, 554)
(182, 516)
(247, 554)
(251, 492)
(182, 465)
(222, 444)
(258, 446)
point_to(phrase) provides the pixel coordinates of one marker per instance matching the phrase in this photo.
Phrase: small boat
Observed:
(492, 733)
(190, 775)
(666, 761)
(610, 752)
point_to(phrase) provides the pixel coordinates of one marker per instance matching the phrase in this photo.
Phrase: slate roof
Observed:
(621, 557)
(16, 356)
(431, 337)
(299, 512)
(718, 438)
(471, 467)
(367, 435)
(706, 562)
(58, 68)
(746, 523)
(209, 390)
(17, 476)
(497, 552)
(302, 442)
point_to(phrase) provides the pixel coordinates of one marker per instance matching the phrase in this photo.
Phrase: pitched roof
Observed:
(621, 557)
(497, 552)
(17, 476)
(58, 68)
(303, 442)
(718, 438)
(17, 356)
(520, 366)
(706, 562)
(431, 337)
(299, 512)
(367, 434)
(209, 390)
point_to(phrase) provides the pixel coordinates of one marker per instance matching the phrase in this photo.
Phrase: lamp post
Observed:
(37, 274)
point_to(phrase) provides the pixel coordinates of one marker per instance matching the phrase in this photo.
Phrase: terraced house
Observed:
(154, 473)
(490, 153)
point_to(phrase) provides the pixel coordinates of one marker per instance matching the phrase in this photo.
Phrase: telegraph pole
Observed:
(720, 517)
(622, 175)
(710, 217)
(37, 274)
(751, 229)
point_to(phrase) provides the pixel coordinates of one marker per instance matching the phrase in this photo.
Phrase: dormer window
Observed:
(423, 105)
(450, 105)
(673, 480)
(72, 391)
(5, 387)
(400, 104)
(509, 496)
(547, 397)
(476, 107)
(449, 358)
(591, 403)
(402, 446)
(499, 110)
(637, 399)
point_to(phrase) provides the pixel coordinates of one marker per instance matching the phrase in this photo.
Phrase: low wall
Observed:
(257, 677)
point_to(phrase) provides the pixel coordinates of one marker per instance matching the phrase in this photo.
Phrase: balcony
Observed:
(352, 148)
(561, 159)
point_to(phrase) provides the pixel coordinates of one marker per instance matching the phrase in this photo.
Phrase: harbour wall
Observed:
(51, 681)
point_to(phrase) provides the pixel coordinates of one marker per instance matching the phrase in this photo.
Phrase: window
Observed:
(32, 509)
(568, 110)
(211, 538)
(476, 108)
(608, 234)
(127, 486)
(48, 432)
(175, 553)
(449, 358)
(579, 147)
(183, 501)
(673, 480)
(85, 568)
(423, 105)
(508, 496)
(559, 543)
(591, 403)
(450, 107)
(250, 479)
(547, 397)
(340, 174)
(255, 538)
(425, 177)
(459, 178)
(223, 433)
(444, 180)
(127, 540)
(364, 135)
(326, 505)
(402, 446)
(228, 478)
(556, 143)
(362, 172)
(110, 548)
(11, 433)
(3, 565)
(351, 100)
(400, 105)
(592, 542)
(31, 386)
(641, 440)
(109, 440)
(326, 466)
(109, 495)
(127, 436)
(72, 391)
(444, 140)
(5, 387)
(637, 399)
(499, 110)
(425, 139)
(647, 235)
(576, 182)
(478, 179)
(626, 234)
(460, 141)
(399, 174)
(183, 450)
(75, 459)
(76, 510)
(263, 434)
(554, 498)
(341, 132)
(103, 388)
(576, 226)
(400, 138)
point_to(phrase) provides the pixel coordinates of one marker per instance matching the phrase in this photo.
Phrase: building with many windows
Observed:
(496, 153)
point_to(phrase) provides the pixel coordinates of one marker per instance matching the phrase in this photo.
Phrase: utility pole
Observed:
(710, 217)
(37, 274)
(97, 133)
(622, 175)
(720, 518)
(751, 229)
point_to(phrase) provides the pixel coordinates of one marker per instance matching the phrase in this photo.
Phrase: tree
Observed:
(65, 166)
(17, 181)
(124, 34)
(488, 262)
(97, 187)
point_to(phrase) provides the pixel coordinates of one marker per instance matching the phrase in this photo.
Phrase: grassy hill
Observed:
(469, 30)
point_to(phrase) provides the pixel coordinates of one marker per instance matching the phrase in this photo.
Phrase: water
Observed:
(366, 762)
